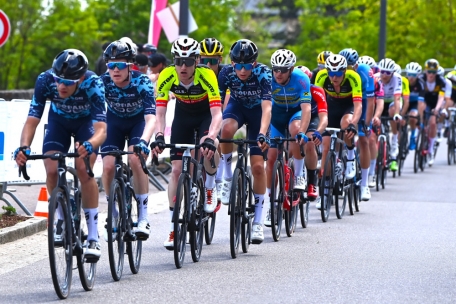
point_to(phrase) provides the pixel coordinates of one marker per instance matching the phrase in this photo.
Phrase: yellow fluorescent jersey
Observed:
(350, 88)
(405, 87)
(199, 97)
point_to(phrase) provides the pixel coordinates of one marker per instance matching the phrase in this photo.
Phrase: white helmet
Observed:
(134, 47)
(413, 67)
(398, 69)
(387, 64)
(283, 58)
(335, 63)
(367, 60)
(185, 47)
(441, 71)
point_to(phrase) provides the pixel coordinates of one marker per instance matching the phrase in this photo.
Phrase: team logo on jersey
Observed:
(276, 91)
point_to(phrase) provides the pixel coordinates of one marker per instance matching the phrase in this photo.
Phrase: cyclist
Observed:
(249, 83)
(197, 107)
(344, 98)
(405, 100)
(77, 108)
(368, 102)
(131, 114)
(416, 88)
(433, 100)
(448, 103)
(319, 110)
(392, 88)
(321, 58)
(452, 77)
(291, 109)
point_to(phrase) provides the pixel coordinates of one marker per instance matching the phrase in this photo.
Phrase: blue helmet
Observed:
(351, 55)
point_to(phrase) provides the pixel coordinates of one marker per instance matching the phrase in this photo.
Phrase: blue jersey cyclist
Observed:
(249, 83)
(77, 109)
(131, 115)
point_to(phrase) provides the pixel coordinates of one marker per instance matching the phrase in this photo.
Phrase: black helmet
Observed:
(211, 47)
(244, 51)
(149, 48)
(119, 50)
(70, 64)
(431, 64)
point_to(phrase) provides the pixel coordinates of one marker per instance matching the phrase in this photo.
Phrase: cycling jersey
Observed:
(367, 80)
(405, 87)
(249, 93)
(318, 102)
(88, 101)
(294, 93)
(350, 88)
(432, 91)
(135, 99)
(448, 88)
(452, 77)
(378, 91)
(314, 75)
(392, 88)
(417, 91)
(197, 98)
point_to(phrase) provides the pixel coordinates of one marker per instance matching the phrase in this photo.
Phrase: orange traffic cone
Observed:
(42, 208)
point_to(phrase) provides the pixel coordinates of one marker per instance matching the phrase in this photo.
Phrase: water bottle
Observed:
(193, 196)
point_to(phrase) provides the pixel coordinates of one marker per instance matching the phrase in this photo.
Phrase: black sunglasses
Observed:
(212, 61)
(282, 70)
(187, 61)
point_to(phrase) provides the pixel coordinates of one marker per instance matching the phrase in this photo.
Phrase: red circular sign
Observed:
(5, 28)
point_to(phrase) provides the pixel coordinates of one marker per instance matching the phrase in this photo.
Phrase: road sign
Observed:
(5, 28)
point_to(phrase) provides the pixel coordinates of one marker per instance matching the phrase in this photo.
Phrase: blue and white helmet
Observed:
(283, 58)
(387, 64)
(398, 69)
(367, 60)
(350, 55)
(413, 68)
(441, 71)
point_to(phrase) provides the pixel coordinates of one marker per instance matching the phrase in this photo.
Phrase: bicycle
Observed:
(74, 233)
(241, 209)
(120, 229)
(332, 182)
(422, 144)
(451, 140)
(283, 199)
(383, 154)
(403, 144)
(304, 202)
(189, 215)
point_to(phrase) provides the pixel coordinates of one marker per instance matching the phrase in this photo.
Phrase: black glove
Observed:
(263, 138)
(352, 129)
(159, 142)
(209, 144)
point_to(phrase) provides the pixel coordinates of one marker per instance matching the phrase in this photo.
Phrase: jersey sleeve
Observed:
(165, 80)
(146, 91)
(355, 82)
(265, 79)
(209, 80)
(222, 80)
(96, 94)
(41, 93)
(319, 96)
(398, 87)
(405, 87)
(443, 85)
(367, 79)
(422, 92)
(304, 82)
(448, 87)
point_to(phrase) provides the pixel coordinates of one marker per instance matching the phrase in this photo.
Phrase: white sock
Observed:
(439, 126)
(298, 166)
(268, 191)
(431, 144)
(350, 154)
(219, 174)
(143, 200)
(394, 138)
(259, 201)
(171, 212)
(91, 215)
(210, 181)
(372, 167)
(364, 177)
(227, 173)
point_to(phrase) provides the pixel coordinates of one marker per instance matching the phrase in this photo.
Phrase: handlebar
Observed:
(183, 147)
(136, 150)
(53, 156)
(280, 140)
(240, 142)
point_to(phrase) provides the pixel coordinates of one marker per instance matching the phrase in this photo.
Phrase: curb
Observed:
(23, 229)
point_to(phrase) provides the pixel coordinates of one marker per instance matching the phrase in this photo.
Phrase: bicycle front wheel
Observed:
(60, 243)
(248, 206)
(450, 150)
(276, 199)
(134, 248)
(327, 186)
(293, 196)
(197, 231)
(304, 211)
(235, 211)
(114, 230)
(180, 220)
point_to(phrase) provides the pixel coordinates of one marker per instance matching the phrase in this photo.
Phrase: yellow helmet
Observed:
(321, 58)
(211, 47)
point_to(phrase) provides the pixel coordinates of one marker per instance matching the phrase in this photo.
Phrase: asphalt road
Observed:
(399, 249)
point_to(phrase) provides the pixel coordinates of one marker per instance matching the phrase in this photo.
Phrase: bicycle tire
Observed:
(209, 228)
(304, 211)
(340, 185)
(276, 200)
(87, 271)
(453, 132)
(340, 208)
(423, 149)
(327, 183)
(236, 198)
(197, 231)
(450, 149)
(416, 158)
(116, 244)
(351, 204)
(180, 220)
(290, 215)
(379, 167)
(247, 205)
(134, 248)
(60, 254)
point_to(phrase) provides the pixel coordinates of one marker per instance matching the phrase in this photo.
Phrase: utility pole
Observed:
(183, 18)
(382, 33)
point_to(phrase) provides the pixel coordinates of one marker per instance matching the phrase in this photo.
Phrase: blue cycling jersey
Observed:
(87, 101)
(295, 92)
(249, 93)
(367, 80)
(134, 99)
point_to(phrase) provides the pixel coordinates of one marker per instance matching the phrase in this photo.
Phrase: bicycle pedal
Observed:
(129, 237)
(142, 237)
(90, 260)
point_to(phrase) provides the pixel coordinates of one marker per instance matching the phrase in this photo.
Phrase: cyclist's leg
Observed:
(413, 111)
(394, 151)
(373, 157)
(311, 160)
(272, 156)
(364, 154)
(350, 170)
(432, 123)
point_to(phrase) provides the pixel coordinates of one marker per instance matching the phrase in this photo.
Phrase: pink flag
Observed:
(154, 25)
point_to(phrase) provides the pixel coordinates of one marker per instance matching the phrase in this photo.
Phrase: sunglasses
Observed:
(119, 65)
(387, 73)
(412, 74)
(246, 66)
(282, 70)
(187, 61)
(431, 71)
(338, 73)
(212, 61)
(65, 82)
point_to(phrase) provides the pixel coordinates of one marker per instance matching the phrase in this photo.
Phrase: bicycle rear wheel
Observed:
(115, 232)
(235, 211)
(134, 248)
(340, 191)
(327, 186)
(60, 251)
(248, 206)
(276, 200)
(197, 231)
(180, 220)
